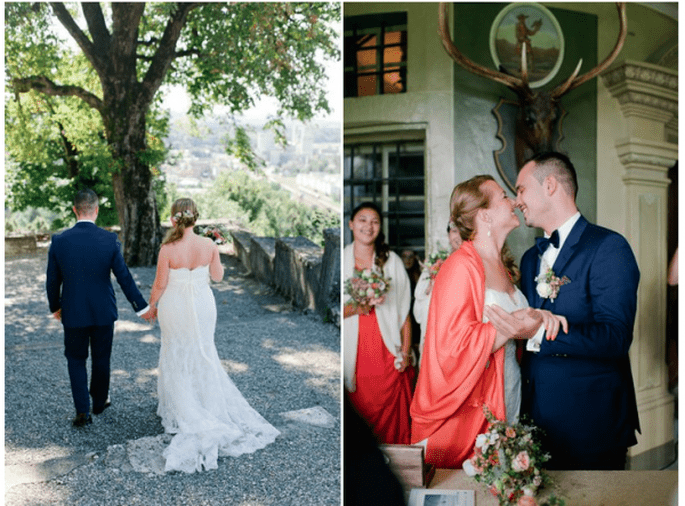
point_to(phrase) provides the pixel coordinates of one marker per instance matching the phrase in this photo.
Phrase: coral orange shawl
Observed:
(458, 373)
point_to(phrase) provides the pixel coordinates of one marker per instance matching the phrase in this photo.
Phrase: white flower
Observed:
(468, 468)
(544, 289)
(482, 441)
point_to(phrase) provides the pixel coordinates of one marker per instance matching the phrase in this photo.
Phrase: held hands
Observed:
(524, 323)
(354, 308)
(57, 315)
(406, 361)
(151, 315)
(552, 323)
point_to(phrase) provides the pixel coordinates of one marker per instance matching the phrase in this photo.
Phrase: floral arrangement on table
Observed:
(367, 287)
(508, 459)
(433, 263)
(216, 234)
(548, 284)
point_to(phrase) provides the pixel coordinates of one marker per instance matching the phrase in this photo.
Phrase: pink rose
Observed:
(521, 462)
(526, 500)
(510, 432)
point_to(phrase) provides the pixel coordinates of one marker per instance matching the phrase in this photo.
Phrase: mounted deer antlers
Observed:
(537, 110)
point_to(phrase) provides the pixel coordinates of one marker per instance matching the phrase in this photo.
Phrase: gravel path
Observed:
(281, 360)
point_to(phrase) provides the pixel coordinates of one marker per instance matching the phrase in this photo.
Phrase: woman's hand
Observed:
(377, 302)
(521, 324)
(406, 361)
(352, 309)
(552, 322)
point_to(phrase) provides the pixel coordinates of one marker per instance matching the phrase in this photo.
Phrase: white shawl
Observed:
(391, 314)
(421, 303)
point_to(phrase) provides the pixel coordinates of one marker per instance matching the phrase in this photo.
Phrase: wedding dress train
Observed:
(198, 402)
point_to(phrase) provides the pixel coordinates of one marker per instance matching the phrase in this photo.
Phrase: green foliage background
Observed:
(263, 208)
(235, 53)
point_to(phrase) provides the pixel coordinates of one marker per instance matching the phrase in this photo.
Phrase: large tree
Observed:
(227, 54)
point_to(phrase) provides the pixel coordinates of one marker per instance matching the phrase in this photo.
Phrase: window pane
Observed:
(408, 173)
(391, 83)
(393, 37)
(367, 44)
(400, 191)
(366, 85)
(393, 55)
(366, 60)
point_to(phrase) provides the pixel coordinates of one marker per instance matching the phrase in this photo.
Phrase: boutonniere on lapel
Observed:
(549, 284)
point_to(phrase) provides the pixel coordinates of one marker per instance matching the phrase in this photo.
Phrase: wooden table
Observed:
(583, 488)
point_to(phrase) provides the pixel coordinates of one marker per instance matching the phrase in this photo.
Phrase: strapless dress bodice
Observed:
(512, 372)
(198, 275)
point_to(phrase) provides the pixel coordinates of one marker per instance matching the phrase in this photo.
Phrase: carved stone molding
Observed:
(644, 90)
(642, 73)
(646, 162)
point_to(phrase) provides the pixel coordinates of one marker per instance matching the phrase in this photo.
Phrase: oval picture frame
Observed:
(546, 52)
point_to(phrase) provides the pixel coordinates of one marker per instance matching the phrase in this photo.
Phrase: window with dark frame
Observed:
(375, 54)
(390, 174)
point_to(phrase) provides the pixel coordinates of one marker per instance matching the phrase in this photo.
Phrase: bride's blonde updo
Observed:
(184, 214)
(466, 199)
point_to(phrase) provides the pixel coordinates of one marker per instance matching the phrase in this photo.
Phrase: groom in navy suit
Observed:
(578, 388)
(80, 293)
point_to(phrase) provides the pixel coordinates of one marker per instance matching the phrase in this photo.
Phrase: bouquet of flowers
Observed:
(216, 234)
(508, 459)
(367, 287)
(433, 263)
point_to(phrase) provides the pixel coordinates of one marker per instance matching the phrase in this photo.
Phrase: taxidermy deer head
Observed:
(537, 110)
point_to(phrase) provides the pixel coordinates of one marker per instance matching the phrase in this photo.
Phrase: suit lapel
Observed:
(538, 300)
(569, 246)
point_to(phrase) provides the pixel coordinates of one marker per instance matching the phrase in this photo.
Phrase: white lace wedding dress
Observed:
(512, 372)
(198, 402)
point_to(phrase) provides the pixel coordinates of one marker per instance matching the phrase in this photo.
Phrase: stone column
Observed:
(645, 148)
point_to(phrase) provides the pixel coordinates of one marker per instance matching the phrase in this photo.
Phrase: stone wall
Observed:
(303, 272)
(15, 246)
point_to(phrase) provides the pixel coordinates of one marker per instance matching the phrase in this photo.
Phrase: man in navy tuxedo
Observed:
(578, 387)
(80, 294)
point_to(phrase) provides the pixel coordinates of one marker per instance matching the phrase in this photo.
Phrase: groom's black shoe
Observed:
(97, 411)
(81, 420)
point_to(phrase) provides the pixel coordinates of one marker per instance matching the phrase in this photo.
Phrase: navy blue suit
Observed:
(80, 262)
(579, 388)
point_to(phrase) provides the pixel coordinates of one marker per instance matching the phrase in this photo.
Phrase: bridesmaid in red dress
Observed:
(377, 339)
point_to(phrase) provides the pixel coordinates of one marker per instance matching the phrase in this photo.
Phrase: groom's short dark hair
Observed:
(86, 201)
(558, 165)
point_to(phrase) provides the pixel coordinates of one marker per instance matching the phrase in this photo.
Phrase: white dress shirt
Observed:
(548, 258)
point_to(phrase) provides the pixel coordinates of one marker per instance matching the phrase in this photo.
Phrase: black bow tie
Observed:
(542, 242)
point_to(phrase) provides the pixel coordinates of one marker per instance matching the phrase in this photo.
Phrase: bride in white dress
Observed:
(198, 402)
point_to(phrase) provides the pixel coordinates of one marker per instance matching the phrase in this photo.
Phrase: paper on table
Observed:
(437, 497)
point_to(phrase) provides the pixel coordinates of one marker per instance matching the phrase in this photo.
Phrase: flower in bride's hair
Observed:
(188, 213)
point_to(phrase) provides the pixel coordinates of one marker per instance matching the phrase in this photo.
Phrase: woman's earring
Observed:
(489, 230)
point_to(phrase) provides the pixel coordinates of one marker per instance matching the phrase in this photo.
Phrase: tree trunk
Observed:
(136, 203)
(125, 105)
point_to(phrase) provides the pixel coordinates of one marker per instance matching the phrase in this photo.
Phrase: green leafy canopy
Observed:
(229, 54)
